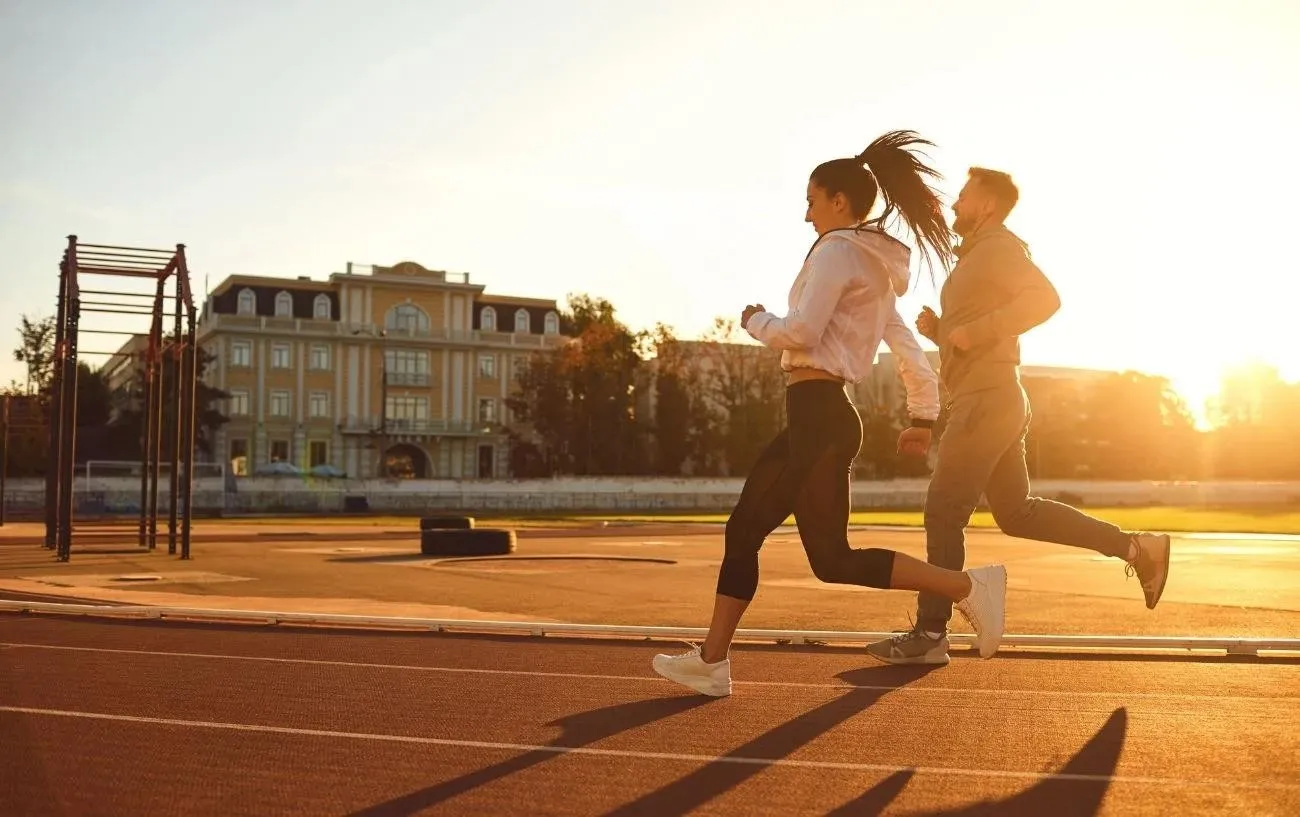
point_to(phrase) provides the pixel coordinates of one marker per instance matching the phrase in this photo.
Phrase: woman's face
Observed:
(825, 212)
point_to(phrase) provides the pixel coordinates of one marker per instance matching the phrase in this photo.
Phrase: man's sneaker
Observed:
(1151, 566)
(911, 647)
(690, 670)
(985, 607)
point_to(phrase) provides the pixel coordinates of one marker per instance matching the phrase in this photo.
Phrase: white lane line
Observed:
(640, 755)
(316, 662)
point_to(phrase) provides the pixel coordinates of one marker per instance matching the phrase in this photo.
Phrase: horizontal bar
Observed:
(102, 311)
(81, 331)
(1227, 644)
(126, 267)
(110, 303)
(81, 352)
(123, 294)
(123, 273)
(124, 256)
(168, 253)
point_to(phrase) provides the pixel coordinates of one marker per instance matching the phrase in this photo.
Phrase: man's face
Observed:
(972, 207)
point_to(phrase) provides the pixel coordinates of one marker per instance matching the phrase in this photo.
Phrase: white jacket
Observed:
(842, 305)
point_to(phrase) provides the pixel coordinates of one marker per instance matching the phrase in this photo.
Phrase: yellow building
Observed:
(400, 365)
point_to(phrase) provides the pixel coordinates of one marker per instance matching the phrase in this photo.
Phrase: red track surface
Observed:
(129, 718)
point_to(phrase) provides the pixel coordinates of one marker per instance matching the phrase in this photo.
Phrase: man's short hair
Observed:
(999, 185)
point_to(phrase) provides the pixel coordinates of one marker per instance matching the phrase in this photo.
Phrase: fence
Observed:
(120, 495)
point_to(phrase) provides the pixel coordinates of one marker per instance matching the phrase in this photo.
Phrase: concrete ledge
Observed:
(1104, 643)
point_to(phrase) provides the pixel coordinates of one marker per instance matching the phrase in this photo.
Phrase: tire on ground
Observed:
(446, 523)
(468, 542)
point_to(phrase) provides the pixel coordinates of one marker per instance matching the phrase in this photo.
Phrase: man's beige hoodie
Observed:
(998, 293)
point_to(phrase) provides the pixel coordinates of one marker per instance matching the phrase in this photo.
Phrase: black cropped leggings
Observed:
(805, 471)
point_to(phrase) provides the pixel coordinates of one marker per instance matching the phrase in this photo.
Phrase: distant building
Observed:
(398, 371)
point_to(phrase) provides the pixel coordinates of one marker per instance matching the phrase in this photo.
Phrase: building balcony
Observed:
(401, 427)
(327, 330)
(408, 379)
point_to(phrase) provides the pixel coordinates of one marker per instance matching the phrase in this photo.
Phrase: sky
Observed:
(656, 154)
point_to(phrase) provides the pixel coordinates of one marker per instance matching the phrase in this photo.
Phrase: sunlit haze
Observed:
(656, 154)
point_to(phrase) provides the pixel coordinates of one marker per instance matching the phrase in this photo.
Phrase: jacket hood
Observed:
(890, 253)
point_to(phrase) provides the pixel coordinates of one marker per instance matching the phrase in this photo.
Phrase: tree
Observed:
(36, 351)
(129, 425)
(743, 384)
(1253, 418)
(579, 401)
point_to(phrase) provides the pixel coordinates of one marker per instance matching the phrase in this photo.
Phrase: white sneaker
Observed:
(985, 607)
(690, 670)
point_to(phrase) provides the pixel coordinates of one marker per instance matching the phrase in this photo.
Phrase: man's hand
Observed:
(914, 441)
(927, 323)
(749, 312)
(960, 337)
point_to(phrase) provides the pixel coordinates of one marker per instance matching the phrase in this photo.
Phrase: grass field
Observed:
(1271, 520)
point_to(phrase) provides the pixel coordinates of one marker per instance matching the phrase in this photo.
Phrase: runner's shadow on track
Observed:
(716, 778)
(1077, 790)
(582, 729)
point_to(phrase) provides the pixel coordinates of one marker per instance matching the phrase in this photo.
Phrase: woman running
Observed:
(839, 307)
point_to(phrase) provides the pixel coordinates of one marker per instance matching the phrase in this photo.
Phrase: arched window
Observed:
(247, 303)
(523, 322)
(320, 309)
(552, 324)
(284, 305)
(407, 318)
(487, 319)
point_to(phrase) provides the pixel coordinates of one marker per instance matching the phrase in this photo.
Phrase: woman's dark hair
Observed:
(895, 172)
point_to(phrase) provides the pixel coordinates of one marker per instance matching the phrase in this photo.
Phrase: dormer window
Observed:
(284, 305)
(247, 303)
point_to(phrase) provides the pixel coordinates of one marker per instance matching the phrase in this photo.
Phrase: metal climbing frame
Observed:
(167, 360)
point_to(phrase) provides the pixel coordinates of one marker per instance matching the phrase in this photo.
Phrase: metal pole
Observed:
(146, 398)
(190, 415)
(67, 471)
(175, 403)
(54, 411)
(4, 459)
(155, 436)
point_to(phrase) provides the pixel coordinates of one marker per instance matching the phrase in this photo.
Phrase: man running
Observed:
(995, 294)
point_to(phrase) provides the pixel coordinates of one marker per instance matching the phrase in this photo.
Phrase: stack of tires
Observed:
(457, 536)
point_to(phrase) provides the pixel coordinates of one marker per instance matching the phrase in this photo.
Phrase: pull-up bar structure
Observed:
(168, 360)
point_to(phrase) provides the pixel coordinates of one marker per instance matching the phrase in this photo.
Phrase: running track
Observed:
(113, 717)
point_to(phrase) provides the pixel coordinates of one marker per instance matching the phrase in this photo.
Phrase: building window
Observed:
(318, 453)
(552, 324)
(284, 305)
(280, 403)
(406, 367)
(320, 309)
(320, 356)
(487, 319)
(238, 404)
(279, 356)
(241, 353)
(487, 410)
(247, 303)
(523, 322)
(279, 450)
(319, 404)
(405, 411)
(517, 365)
(487, 365)
(239, 457)
(407, 318)
(486, 456)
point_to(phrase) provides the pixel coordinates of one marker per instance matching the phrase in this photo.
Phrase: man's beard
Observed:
(964, 226)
